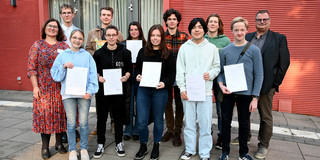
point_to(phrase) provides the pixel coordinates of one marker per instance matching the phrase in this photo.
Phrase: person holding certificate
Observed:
(68, 60)
(155, 53)
(111, 58)
(198, 64)
(48, 112)
(246, 59)
(131, 130)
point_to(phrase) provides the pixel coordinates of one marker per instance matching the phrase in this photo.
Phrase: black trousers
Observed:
(103, 106)
(243, 102)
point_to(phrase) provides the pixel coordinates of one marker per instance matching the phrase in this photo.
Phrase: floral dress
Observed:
(48, 112)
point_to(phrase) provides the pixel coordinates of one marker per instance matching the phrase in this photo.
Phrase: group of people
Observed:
(263, 54)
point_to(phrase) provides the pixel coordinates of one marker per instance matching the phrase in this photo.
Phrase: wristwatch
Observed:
(253, 96)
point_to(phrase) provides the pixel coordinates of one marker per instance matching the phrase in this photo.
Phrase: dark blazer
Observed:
(276, 59)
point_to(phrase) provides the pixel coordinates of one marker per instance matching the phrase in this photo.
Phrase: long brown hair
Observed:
(60, 36)
(163, 46)
(141, 37)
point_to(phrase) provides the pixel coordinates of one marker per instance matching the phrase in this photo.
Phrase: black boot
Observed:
(142, 151)
(155, 151)
(45, 154)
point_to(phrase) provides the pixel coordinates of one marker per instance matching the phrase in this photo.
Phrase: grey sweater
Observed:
(253, 67)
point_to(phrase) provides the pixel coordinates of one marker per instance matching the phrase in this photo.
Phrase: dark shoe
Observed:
(135, 137)
(64, 138)
(45, 154)
(61, 149)
(142, 151)
(167, 136)
(177, 140)
(77, 136)
(224, 156)
(126, 137)
(155, 152)
(245, 157)
(204, 158)
(219, 143)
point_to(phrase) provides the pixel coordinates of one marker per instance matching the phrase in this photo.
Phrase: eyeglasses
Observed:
(74, 37)
(65, 13)
(111, 35)
(51, 26)
(264, 19)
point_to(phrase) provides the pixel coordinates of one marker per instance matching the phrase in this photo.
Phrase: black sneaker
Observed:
(135, 137)
(219, 143)
(120, 150)
(99, 151)
(224, 157)
(142, 151)
(245, 157)
(155, 152)
(186, 156)
(126, 137)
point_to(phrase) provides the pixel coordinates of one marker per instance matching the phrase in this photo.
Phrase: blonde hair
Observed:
(240, 19)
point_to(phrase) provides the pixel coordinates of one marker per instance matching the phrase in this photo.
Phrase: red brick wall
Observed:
(20, 27)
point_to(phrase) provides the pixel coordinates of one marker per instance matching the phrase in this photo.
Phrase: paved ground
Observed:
(296, 137)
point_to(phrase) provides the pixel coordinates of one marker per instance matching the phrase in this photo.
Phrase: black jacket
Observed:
(276, 59)
(168, 67)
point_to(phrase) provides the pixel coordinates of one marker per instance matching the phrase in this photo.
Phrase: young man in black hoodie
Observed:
(111, 55)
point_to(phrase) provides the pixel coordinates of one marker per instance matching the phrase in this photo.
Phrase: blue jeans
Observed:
(70, 105)
(203, 111)
(132, 128)
(147, 98)
(216, 90)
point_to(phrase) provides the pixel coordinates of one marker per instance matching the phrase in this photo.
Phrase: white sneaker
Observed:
(99, 151)
(73, 155)
(120, 150)
(84, 154)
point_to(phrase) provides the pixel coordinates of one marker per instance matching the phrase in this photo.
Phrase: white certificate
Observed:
(196, 88)
(113, 84)
(235, 77)
(76, 81)
(134, 46)
(150, 74)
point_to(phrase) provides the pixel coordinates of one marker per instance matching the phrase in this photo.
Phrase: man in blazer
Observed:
(276, 60)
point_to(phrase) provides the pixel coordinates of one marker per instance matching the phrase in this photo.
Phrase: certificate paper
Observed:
(76, 81)
(113, 84)
(134, 46)
(235, 77)
(150, 74)
(196, 88)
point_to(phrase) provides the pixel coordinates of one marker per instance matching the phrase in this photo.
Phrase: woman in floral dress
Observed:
(48, 111)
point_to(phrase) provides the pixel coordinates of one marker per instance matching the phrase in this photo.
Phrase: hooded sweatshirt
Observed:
(81, 58)
(112, 59)
(196, 59)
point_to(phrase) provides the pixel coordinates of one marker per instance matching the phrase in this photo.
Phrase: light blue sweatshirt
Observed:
(196, 59)
(81, 58)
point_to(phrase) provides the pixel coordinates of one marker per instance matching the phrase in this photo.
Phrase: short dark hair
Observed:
(141, 36)
(108, 9)
(66, 6)
(194, 21)
(262, 11)
(112, 27)
(168, 14)
(220, 29)
(163, 44)
(60, 36)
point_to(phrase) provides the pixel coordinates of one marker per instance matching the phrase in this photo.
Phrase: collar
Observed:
(262, 36)
(175, 35)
